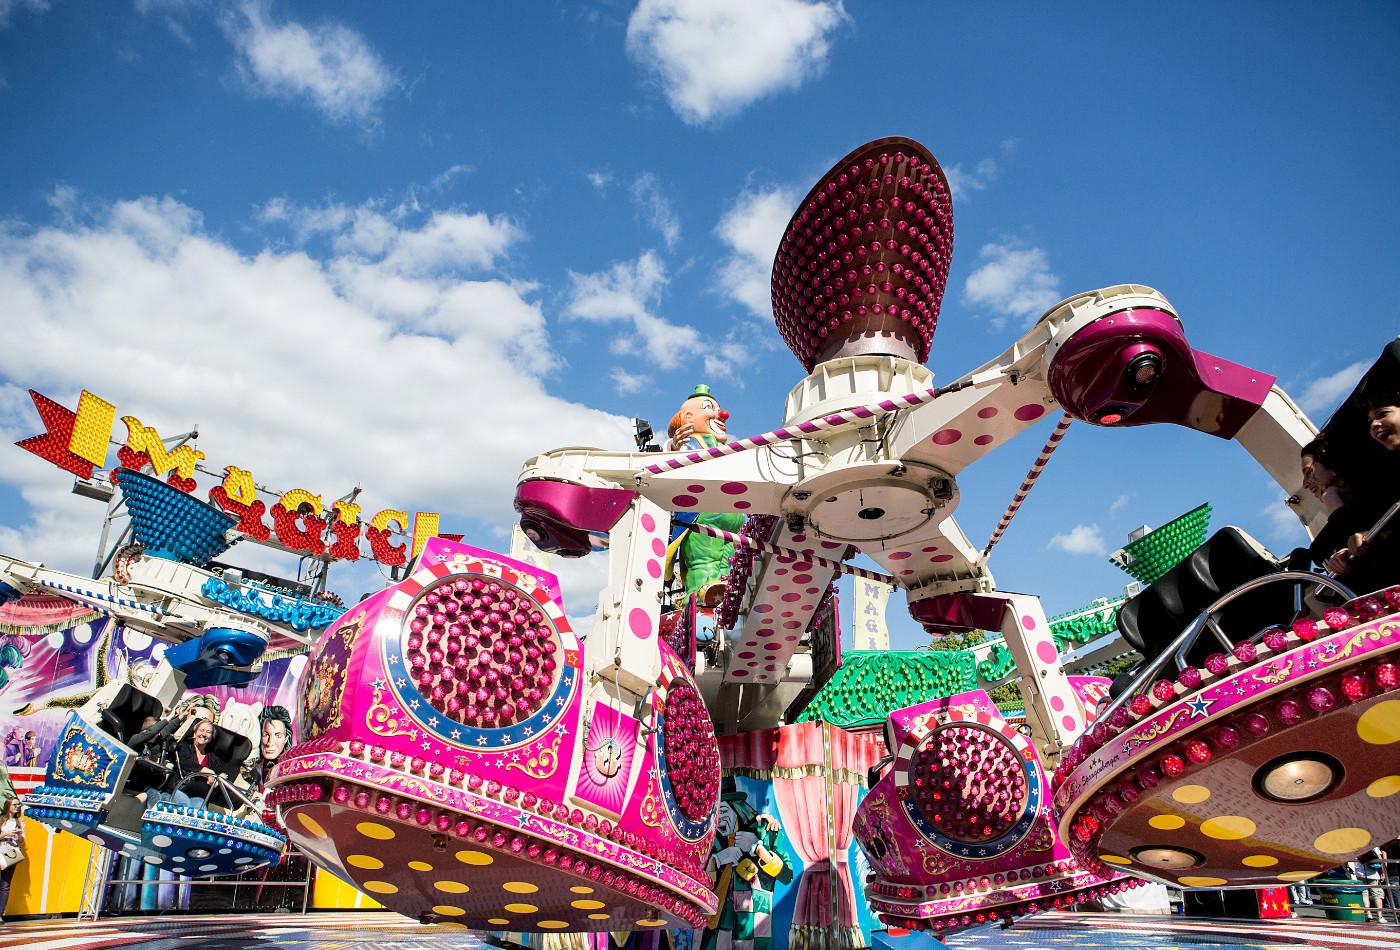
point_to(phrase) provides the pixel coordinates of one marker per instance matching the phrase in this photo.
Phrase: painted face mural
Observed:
(747, 863)
(699, 423)
(276, 732)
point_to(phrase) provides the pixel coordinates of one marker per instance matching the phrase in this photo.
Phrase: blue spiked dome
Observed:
(171, 524)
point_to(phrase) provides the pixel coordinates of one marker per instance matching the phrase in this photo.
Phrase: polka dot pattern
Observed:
(1191, 794)
(1380, 725)
(373, 829)
(1384, 787)
(1227, 827)
(1342, 841)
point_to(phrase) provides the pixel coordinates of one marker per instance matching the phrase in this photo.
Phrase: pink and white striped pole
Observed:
(803, 429)
(757, 545)
(1046, 451)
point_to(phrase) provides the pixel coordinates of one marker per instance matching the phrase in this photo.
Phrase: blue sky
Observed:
(410, 245)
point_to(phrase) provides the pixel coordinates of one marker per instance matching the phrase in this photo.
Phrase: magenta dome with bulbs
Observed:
(863, 263)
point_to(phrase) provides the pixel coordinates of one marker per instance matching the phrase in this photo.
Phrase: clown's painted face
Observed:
(705, 415)
(726, 821)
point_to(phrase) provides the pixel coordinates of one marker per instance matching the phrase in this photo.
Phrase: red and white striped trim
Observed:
(1028, 483)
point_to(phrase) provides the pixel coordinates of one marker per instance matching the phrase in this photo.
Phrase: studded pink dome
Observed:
(692, 753)
(481, 651)
(862, 265)
(969, 783)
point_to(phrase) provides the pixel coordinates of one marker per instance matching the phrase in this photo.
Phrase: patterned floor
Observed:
(1129, 932)
(382, 931)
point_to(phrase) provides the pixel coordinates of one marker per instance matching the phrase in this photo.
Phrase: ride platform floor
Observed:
(384, 931)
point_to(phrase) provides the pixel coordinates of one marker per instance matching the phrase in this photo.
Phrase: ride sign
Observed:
(78, 442)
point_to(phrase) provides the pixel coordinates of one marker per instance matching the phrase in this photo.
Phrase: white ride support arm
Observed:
(1274, 437)
(622, 650)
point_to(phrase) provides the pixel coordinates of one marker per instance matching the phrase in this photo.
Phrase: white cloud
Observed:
(627, 293)
(448, 240)
(328, 64)
(1081, 539)
(752, 229)
(600, 180)
(445, 177)
(714, 57)
(628, 383)
(1320, 396)
(8, 8)
(423, 384)
(1118, 504)
(655, 208)
(724, 360)
(964, 181)
(1013, 282)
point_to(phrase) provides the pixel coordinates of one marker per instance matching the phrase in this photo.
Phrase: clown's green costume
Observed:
(703, 561)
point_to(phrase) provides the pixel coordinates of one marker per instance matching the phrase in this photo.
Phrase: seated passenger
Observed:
(151, 727)
(1370, 564)
(1344, 518)
(193, 757)
(1383, 419)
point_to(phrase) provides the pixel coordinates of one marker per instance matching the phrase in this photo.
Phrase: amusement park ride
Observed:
(464, 755)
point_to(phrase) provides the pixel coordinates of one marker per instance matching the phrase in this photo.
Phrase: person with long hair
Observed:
(274, 738)
(11, 837)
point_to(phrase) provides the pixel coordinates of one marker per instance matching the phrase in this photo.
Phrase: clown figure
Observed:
(703, 561)
(745, 863)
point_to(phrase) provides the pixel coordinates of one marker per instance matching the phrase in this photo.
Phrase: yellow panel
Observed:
(331, 893)
(425, 526)
(50, 879)
(92, 428)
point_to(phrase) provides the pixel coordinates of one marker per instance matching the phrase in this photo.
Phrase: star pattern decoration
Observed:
(480, 740)
(522, 819)
(456, 733)
(378, 684)
(1199, 707)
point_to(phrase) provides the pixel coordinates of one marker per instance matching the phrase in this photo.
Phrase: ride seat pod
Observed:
(959, 831)
(455, 765)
